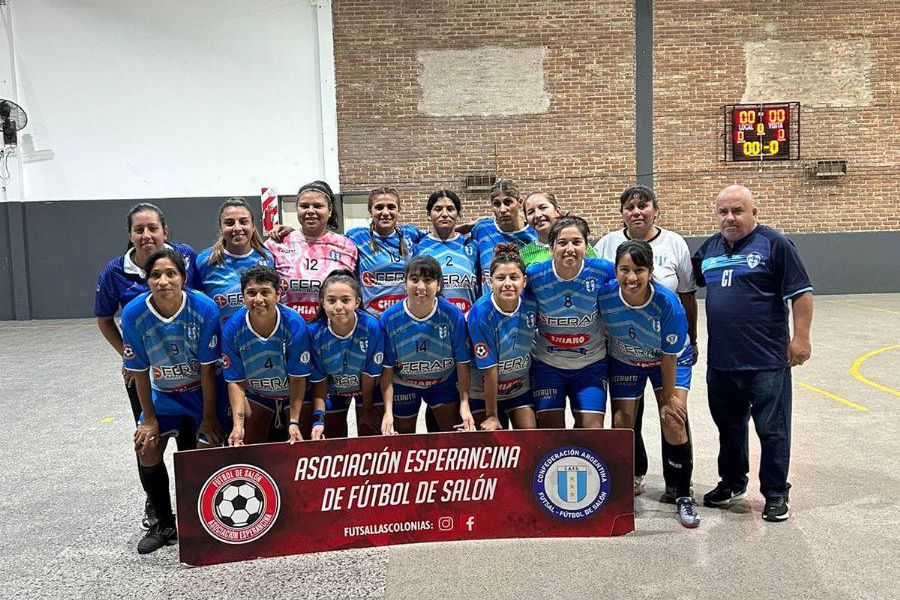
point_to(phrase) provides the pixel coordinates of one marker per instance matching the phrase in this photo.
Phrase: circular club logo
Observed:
(481, 350)
(238, 504)
(220, 300)
(368, 278)
(571, 483)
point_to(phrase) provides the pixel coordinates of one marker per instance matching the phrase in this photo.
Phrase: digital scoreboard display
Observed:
(761, 132)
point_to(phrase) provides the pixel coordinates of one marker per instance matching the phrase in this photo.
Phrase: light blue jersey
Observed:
(172, 348)
(265, 363)
(458, 257)
(380, 269)
(222, 281)
(425, 352)
(570, 330)
(640, 335)
(502, 340)
(344, 360)
(486, 236)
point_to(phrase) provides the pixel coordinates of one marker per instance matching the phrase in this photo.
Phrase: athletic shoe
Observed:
(723, 496)
(157, 537)
(638, 485)
(670, 495)
(777, 509)
(687, 512)
(149, 516)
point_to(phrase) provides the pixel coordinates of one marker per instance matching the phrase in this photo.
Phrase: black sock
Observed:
(156, 483)
(678, 466)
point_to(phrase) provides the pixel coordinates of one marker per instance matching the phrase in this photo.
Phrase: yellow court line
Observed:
(844, 401)
(864, 307)
(854, 370)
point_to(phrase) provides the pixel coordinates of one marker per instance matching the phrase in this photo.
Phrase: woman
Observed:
(174, 331)
(640, 210)
(266, 350)
(457, 254)
(238, 248)
(348, 350)
(122, 280)
(507, 226)
(647, 329)
(426, 355)
(305, 258)
(570, 353)
(541, 212)
(384, 249)
(502, 329)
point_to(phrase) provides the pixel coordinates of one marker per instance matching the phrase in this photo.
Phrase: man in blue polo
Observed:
(751, 272)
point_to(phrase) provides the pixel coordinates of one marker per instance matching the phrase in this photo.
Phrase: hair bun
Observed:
(506, 247)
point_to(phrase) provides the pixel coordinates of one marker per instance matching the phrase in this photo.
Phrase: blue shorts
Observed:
(407, 400)
(270, 404)
(507, 406)
(172, 407)
(585, 387)
(341, 402)
(627, 382)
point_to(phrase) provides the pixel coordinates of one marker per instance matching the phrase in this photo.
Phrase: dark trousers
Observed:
(735, 397)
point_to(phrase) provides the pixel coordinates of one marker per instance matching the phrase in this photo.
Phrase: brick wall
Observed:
(401, 65)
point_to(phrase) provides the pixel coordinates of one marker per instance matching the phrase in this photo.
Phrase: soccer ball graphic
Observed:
(239, 504)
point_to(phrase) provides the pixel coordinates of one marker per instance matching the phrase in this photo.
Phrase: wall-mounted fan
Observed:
(12, 119)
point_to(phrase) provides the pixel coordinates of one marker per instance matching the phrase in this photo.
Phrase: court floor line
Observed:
(864, 307)
(854, 370)
(844, 401)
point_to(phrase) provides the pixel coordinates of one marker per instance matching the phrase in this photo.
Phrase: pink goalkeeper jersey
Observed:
(303, 265)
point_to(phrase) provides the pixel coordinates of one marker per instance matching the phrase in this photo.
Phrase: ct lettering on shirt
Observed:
(748, 286)
(671, 258)
(381, 265)
(304, 263)
(640, 335)
(266, 363)
(343, 360)
(172, 348)
(502, 340)
(222, 281)
(458, 257)
(570, 330)
(487, 235)
(121, 281)
(425, 352)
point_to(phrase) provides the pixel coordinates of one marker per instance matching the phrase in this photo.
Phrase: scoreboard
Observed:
(761, 131)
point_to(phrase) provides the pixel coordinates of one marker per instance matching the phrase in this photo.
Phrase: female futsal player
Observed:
(541, 212)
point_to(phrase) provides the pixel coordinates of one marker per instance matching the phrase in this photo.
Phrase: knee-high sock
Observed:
(156, 483)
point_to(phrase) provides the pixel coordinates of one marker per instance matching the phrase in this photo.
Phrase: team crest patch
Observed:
(127, 351)
(334, 255)
(304, 357)
(442, 331)
(239, 504)
(571, 483)
(378, 358)
(671, 338)
(481, 350)
(753, 259)
(364, 345)
(656, 326)
(192, 332)
(529, 320)
(213, 341)
(226, 362)
(590, 285)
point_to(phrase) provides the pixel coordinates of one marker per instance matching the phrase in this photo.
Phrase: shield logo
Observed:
(442, 331)
(529, 320)
(590, 285)
(571, 482)
(192, 332)
(364, 345)
(335, 255)
(753, 259)
(656, 326)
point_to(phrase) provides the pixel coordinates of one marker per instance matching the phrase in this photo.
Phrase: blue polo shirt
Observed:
(748, 286)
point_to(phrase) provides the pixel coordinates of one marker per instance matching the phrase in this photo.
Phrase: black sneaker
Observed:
(671, 494)
(149, 519)
(157, 537)
(723, 496)
(777, 509)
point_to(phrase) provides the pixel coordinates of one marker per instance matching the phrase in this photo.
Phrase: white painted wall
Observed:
(171, 98)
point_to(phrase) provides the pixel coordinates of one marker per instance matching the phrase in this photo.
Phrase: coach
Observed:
(750, 272)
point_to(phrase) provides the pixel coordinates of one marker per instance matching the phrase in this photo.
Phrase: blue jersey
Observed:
(640, 335)
(747, 289)
(121, 281)
(266, 363)
(344, 360)
(173, 348)
(502, 340)
(425, 352)
(458, 257)
(380, 269)
(222, 281)
(570, 330)
(486, 236)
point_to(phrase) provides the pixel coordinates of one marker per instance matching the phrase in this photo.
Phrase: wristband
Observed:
(297, 423)
(318, 417)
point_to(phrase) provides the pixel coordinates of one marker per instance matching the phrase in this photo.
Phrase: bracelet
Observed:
(297, 423)
(318, 417)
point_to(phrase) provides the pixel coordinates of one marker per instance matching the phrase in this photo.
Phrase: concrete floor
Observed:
(71, 501)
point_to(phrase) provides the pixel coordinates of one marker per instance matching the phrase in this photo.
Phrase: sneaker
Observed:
(638, 485)
(149, 519)
(723, 495)
(687, 512)
(670, 495)
(777, 509)
(158, 536)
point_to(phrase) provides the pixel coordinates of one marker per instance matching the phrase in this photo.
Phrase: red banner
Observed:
(277, 499)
